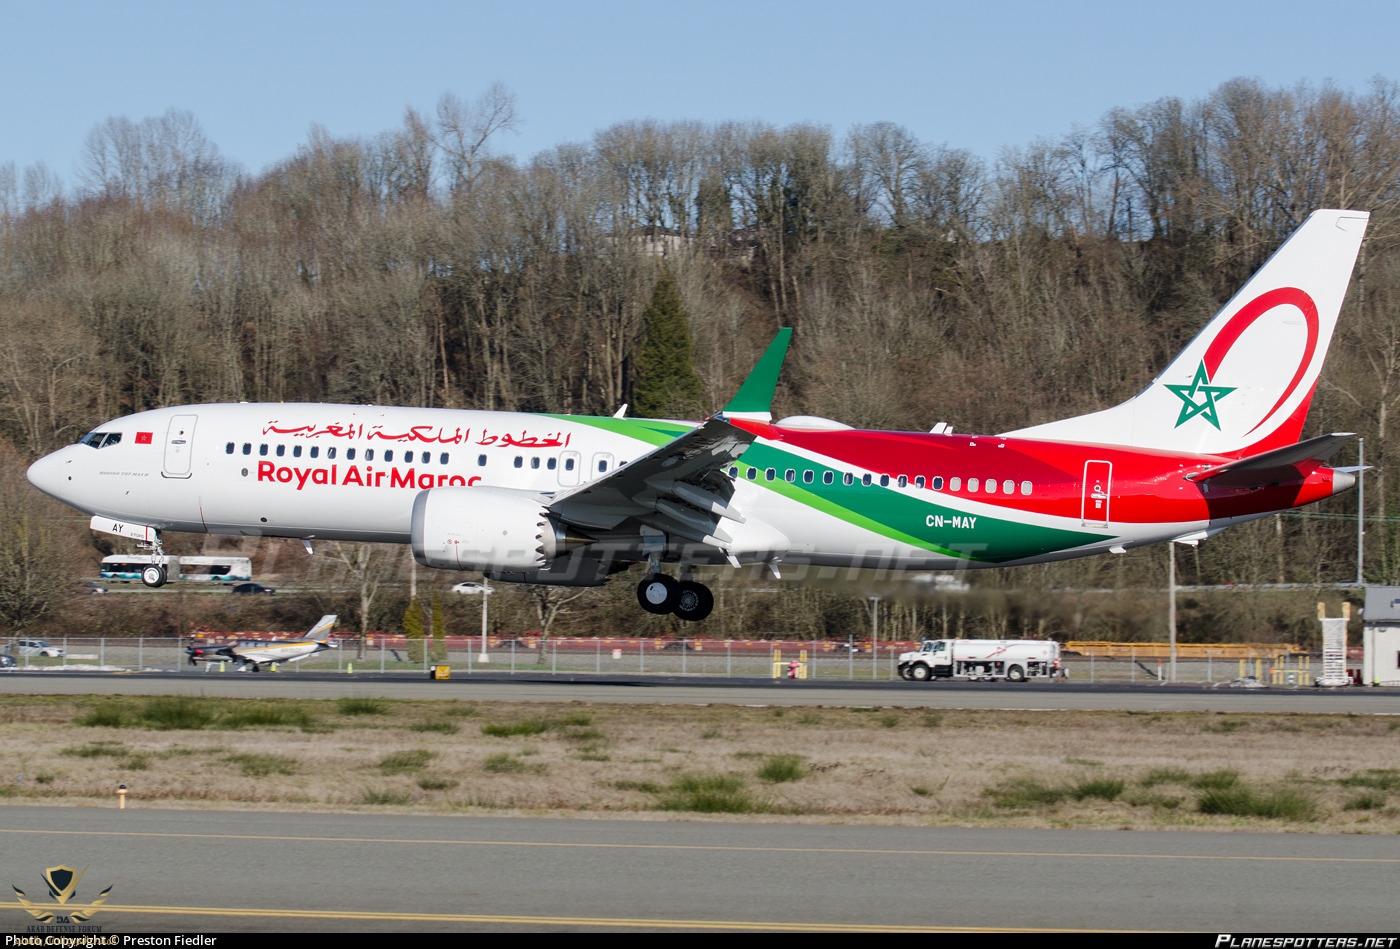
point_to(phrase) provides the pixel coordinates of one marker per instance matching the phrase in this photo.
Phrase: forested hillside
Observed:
(924, 283)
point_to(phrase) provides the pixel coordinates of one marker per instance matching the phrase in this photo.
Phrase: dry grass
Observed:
(991, 768)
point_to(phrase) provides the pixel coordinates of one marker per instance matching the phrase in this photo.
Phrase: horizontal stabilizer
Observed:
(1266, 467)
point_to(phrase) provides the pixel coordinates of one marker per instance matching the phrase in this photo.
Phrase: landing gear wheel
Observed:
(919, 673)
(694, 602)
(153, 576)
(658, 593)
(1016, 674)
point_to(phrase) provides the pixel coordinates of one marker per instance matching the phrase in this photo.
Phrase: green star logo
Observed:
(1200, 388)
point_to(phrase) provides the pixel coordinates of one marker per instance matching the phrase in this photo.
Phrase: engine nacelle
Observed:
(483, 529)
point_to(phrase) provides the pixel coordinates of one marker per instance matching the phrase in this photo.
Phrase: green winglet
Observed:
(755, 397)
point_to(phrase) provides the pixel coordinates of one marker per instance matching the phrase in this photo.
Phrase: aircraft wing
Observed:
(678, 488)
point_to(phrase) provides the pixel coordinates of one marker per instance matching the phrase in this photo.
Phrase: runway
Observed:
(696, 691)
(231, 871)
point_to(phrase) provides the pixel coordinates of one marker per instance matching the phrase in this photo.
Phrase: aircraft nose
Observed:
(47, 474)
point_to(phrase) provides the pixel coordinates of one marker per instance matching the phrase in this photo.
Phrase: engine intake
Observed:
(482, 528)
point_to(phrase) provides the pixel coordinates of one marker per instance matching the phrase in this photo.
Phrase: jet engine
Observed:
(482, 528)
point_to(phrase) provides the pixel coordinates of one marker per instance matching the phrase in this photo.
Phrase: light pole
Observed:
(874, 636)
(485, 594)
(1171, 605)
(1361, 510)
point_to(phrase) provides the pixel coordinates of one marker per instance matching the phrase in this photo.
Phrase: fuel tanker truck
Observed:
(1015, 660)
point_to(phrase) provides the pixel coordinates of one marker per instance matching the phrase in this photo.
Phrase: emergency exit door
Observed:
(1098, 488)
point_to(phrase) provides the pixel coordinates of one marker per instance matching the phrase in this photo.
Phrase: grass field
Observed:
(986, 768)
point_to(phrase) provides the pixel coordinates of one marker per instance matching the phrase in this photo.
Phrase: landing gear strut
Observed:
(690, 601)
(154, 575)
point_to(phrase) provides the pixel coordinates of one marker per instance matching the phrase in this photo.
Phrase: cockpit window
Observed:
(100, 439)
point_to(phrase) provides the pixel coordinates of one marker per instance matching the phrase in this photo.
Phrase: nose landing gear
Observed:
(154, 575)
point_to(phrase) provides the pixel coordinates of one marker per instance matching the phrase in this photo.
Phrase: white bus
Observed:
(194, 569)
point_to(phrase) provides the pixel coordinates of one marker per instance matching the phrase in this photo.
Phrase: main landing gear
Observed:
(660, 594)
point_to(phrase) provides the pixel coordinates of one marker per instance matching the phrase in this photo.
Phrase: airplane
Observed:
(256, 653)
(560, 499)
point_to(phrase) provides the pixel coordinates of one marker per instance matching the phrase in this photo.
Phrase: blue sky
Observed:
(979, 76)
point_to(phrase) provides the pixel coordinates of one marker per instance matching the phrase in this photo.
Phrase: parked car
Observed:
(6, 662)
(251, 588)
(680, 645)
(37, 647)
(473, 588)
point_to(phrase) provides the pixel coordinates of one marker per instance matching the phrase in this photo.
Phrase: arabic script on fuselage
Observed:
(430, 434)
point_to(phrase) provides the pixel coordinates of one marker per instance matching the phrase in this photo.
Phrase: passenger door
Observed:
(1097, 492)
(179, 446)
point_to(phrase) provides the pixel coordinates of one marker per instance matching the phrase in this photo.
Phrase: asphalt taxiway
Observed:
(700, 691)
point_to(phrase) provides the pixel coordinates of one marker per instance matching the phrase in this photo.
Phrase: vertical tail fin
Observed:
(1245, 383)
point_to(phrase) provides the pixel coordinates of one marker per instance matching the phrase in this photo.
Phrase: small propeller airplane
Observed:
(570, 500)
(255, 653)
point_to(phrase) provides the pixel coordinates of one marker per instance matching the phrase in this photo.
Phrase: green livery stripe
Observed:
(906, 519)
(882, 511)
(650, 430)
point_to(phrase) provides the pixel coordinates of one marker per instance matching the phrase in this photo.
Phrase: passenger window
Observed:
(865, 480)
(330, 453)
(1008, 487)
(568, 463)
(262, 450)
(807, 476)
(247, 448)
(535, 462)
(551, 464)
(349, 454)
(733, 472)
(281, 450)
(919, 481)
(296, 451)
(369, 454)
(972, 484)
(1026, 488)
(442, 459)
(753, 474)
(938, 482)
(389, 456)
(790, 476)
(955, 484)
(884, 481)
(770, 474)
(481, 461)
(902, 481)
(315, 451)
(228, 449)
(991, 485)
(602, 466)
(828, 477)
(519, 461)
(848, 479)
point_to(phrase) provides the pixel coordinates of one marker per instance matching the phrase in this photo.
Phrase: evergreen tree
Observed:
(439, 647)
(413, 630)
(664, 379)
